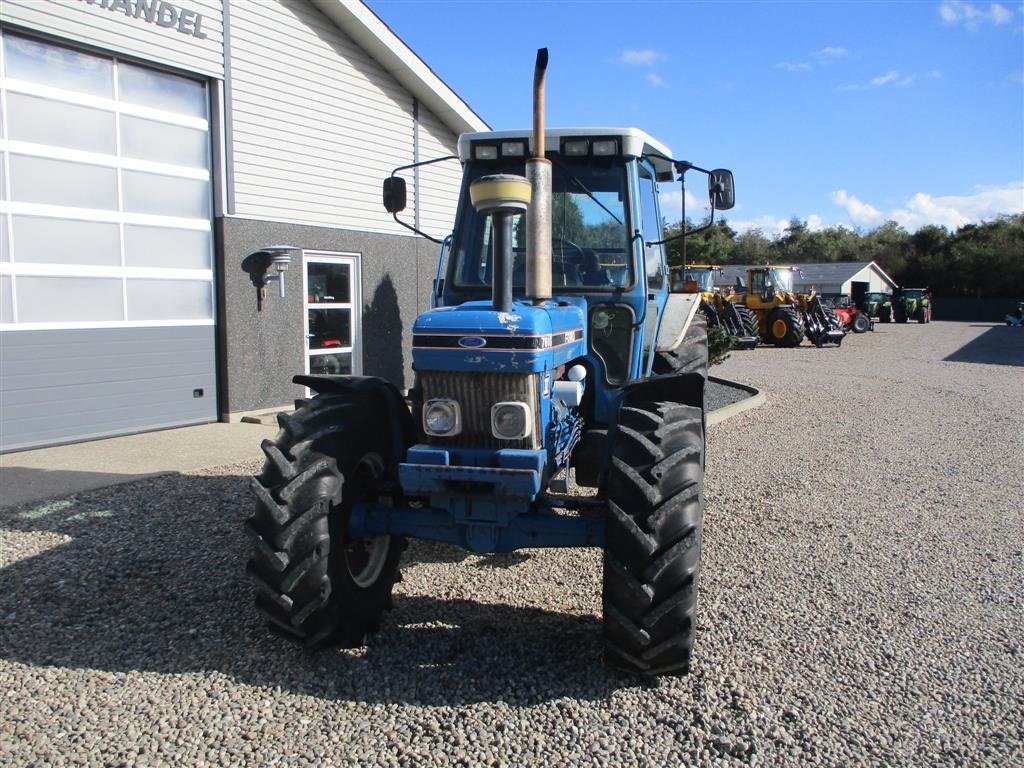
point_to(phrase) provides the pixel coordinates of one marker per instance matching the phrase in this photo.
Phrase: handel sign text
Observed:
(158, 12)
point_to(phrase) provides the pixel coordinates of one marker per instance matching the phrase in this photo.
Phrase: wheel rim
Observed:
(365, 558)
(369, 556)
(779, 328)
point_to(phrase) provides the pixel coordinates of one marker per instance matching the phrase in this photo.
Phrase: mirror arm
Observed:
(394, 174)
(688, 232)
(418, 232)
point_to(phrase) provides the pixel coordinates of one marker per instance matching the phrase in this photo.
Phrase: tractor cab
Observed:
(694, 278)
(769, 282)
(605, 268)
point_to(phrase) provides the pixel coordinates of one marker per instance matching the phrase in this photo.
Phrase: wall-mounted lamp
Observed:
(278, 257)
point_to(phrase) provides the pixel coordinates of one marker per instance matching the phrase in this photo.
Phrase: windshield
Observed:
(781, 279)
(704, 278)
(590, 246)
(913, 293)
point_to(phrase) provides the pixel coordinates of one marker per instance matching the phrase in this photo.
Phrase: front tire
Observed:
(314, 582)
(691, 356)
(861, 323)
(784, 327)
(653, 539)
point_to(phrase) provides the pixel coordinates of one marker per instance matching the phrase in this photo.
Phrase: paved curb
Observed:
(756, 398)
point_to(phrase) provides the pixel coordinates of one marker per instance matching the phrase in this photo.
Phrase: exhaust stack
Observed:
(538, 217)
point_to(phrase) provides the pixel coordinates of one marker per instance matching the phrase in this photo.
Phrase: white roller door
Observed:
(106, 248)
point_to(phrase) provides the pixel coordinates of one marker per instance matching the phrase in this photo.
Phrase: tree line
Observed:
(976, 261)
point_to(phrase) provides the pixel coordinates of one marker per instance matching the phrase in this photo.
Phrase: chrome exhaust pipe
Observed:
(538, 217)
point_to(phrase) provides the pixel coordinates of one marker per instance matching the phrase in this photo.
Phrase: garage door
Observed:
(106, 247)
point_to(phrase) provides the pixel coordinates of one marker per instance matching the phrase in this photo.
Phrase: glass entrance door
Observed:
(331, 283)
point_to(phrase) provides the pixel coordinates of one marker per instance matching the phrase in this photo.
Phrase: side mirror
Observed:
(721, 189)
(394, 194)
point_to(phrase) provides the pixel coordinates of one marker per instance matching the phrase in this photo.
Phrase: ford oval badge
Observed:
(472, 342)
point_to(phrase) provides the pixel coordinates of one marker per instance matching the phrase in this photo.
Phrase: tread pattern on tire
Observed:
(749, 321)
(301, 589)
(653, 538)
(795, 328)
(691, 356)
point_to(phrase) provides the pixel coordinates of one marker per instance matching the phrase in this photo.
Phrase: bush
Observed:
(719, 344)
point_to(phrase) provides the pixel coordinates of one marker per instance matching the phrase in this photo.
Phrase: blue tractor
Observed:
(535, 372)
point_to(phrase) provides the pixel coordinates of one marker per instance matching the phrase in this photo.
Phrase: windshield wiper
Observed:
(583, 188)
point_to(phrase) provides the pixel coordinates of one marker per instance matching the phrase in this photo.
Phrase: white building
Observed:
(150, 151)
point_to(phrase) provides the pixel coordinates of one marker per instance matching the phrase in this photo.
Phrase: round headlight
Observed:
(510, 421)
(441, 417)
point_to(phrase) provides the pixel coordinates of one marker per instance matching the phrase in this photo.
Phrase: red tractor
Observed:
(850, 317)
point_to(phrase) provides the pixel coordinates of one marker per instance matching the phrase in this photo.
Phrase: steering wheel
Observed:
(568, 264)
(569, 243)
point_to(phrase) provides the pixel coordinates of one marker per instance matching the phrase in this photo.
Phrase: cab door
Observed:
(654, 261)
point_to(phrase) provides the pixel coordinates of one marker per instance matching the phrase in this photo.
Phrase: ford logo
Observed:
(472, 342)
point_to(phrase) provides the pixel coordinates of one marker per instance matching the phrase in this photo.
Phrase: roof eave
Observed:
(357, 21)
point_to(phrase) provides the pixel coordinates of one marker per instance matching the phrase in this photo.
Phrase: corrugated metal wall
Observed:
(317, 125)
(185, 35)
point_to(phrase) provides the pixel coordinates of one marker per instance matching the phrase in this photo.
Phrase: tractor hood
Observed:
(474, 337)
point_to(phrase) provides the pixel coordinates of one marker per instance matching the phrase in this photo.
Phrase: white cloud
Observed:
(656, 80)
(815, 223)
(950, 211)
(830, 53)
(955, 12)
(860, 213)
(769, 226)
(892, 77)
(789, 66)
(953, 211)
(642, 58)
(672, 202)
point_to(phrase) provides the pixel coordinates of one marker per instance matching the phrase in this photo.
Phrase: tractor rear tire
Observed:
(691, 356)
(861, 323)
(784, 327)
(885, 317)
(315, 584)
(653, 538)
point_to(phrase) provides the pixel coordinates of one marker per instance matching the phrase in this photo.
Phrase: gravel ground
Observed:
(861, 604)
(718, 395)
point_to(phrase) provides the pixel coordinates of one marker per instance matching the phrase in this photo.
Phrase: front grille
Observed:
(476, 393)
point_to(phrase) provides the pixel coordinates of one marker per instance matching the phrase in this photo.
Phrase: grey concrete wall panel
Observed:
(184, 34)
(263, 349)
(68, 385)
(317, 124)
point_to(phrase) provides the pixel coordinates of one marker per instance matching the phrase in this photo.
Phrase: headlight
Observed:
(510, 421)
(442, 418)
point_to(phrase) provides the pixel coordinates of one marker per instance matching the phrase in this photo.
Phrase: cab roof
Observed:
(635, 143)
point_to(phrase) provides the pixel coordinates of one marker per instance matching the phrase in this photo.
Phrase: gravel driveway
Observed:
(861, 604)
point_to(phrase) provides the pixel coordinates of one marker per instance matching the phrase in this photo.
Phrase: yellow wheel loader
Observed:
(738, 322)
(785, 317)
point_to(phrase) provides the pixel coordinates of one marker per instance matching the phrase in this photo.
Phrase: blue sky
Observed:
(835, 113)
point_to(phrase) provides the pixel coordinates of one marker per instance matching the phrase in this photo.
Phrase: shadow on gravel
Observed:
(150, 576)
(999, 345)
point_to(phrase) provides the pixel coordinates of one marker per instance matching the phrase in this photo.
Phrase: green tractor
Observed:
(877, 304)
(912, 304)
